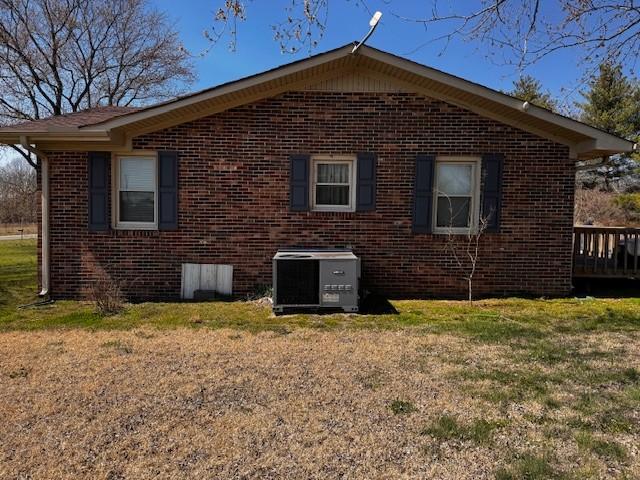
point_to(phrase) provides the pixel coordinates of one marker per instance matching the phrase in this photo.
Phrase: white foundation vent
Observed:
(206, 277)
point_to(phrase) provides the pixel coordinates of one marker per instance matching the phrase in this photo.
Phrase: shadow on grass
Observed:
(374, 304)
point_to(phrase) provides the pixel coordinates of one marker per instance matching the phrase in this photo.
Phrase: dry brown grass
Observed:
(231, 404)
(14, 228)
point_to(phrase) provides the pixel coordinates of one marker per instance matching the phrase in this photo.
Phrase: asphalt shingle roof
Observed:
(71, 120)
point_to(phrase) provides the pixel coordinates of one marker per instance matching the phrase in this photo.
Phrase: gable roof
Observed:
(112, 130)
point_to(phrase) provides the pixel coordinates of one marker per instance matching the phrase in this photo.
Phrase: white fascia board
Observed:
(222, 90)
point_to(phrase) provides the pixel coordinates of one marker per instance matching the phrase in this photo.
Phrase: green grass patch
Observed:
(17, 274)
(529, 467)
(400, 407)
(633, 394)
(509, 385)
(447, 427)
(528, 323)
(606, 449)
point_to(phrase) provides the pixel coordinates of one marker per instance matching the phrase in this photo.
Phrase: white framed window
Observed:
(136, 199)
(333, 184)
(456, 195)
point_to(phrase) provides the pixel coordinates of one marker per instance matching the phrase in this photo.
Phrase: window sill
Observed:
(333, 209)
(455, 231)
(134, 226)
(117, 233)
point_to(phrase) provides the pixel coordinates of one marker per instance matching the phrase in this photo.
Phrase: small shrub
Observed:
(107, 295)
(260, 291)
(400, 407)
(630, 205)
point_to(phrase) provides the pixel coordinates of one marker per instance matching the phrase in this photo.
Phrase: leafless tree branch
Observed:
(523, 32)
(60, 56)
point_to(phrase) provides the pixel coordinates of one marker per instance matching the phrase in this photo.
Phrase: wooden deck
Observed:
(606, 252)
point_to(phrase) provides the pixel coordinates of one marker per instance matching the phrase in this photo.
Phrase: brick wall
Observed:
(233, 200)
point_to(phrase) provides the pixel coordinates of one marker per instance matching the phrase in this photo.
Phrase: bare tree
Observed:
(525, 31)
(60, 56)
(17, 193)
(518, 31)
(301, 25)
(464, 248)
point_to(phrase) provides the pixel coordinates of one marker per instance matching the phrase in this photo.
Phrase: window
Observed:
(333, 184)
(136, 199)
(456, 194)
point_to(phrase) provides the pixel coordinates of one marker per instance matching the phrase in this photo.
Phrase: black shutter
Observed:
(423, 194)
(299, 183)
(98, 191)
(167, 190)
(492, 190)
(366, 182)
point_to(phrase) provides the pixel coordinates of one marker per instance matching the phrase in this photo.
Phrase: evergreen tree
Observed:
(528, 89)
(612, 103)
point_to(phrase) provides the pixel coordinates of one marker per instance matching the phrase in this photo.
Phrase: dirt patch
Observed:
(232, 404)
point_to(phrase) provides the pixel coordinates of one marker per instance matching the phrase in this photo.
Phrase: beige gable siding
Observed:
(355, 82)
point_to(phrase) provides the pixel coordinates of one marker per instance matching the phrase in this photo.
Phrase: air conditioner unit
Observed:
(316, 279)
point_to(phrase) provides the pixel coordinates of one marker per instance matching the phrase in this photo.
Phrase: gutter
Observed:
(44, 198)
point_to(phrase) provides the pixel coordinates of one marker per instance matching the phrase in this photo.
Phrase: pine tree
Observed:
(528, 89)
(612, 103)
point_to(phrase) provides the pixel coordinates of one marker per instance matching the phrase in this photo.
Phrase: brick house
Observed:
(366, 150)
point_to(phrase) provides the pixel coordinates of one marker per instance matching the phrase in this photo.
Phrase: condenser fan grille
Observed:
(298, 282)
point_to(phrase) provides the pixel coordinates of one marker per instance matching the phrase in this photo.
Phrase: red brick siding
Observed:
(234, 198)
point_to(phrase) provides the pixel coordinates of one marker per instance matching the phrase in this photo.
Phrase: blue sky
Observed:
(257, 51)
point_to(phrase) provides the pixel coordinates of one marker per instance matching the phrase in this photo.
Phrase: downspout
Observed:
(44, 198)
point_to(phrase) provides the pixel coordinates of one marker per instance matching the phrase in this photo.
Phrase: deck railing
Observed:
(606, 252)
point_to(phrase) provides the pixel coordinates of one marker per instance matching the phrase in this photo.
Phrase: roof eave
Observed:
(602, 147)
(55, 134)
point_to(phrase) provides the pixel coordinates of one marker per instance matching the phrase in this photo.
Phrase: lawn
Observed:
(507, 389)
